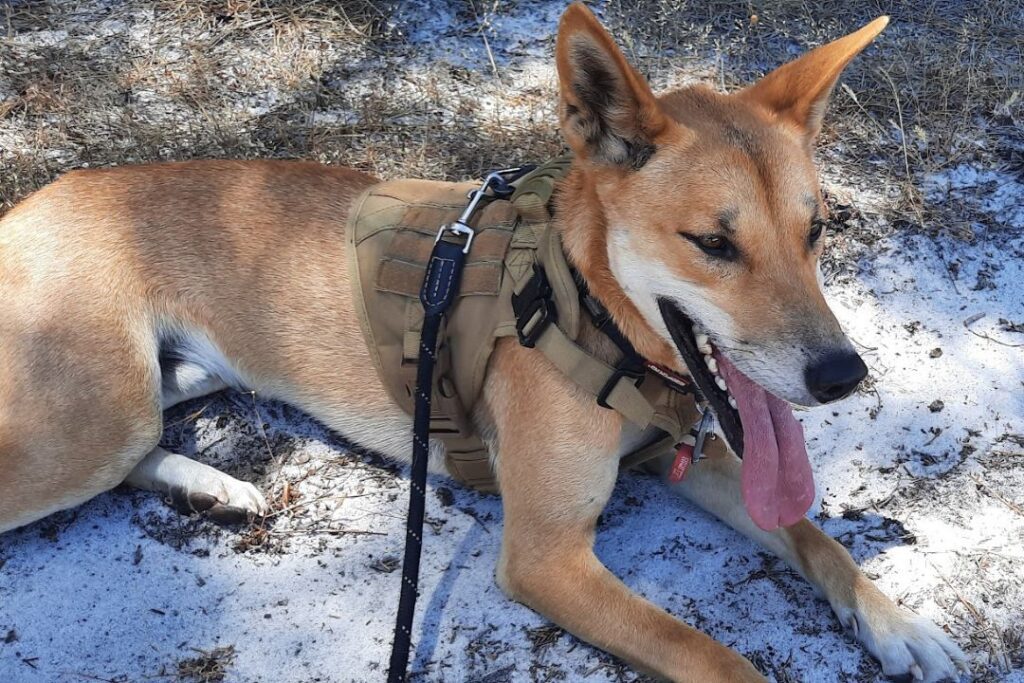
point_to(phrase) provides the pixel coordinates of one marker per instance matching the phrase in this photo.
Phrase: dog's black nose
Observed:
(835, 375)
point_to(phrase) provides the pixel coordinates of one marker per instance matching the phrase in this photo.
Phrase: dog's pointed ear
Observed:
(799, 91)
(608, 112)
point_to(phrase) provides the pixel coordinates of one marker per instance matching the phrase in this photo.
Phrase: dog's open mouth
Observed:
(777, 482)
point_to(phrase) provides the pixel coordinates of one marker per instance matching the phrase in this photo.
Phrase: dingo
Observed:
(693, 216)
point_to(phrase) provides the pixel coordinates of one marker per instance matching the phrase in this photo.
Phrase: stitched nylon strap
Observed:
(592, 375)
(651, 404)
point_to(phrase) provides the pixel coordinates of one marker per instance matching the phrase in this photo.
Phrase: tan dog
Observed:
(126, 291)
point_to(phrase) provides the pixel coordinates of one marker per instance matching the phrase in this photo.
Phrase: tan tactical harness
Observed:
(516, 253)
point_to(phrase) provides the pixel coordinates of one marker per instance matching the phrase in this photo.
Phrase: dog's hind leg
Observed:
(195, 487)
(904, 643)
(79, 406)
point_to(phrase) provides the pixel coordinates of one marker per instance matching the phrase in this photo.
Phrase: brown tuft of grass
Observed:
(208, 667)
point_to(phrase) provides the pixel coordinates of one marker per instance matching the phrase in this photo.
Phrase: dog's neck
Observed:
(580, 219)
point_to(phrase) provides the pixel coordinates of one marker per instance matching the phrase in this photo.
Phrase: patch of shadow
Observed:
(177, 531)
(767, 662)
(866, 534)
(502, 675)
(869, 670)
(614, 668)
(48, 528)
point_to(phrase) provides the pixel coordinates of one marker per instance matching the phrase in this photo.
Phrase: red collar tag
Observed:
(684, 457)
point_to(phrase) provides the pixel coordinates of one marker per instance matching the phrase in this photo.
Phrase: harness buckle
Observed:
(598, 313)
(623, 370)
(533, 308)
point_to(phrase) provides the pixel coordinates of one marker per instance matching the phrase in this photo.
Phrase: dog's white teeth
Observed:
(721, 384)
(704, 344)
(732, 403)
(711, 363)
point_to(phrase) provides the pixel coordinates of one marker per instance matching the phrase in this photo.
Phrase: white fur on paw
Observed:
(905, 643)
(229, 492)
(242, 494)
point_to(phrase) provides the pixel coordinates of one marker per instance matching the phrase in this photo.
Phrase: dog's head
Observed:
(697, 218)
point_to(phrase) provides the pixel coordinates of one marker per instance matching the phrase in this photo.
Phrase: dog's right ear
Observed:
(608, 112)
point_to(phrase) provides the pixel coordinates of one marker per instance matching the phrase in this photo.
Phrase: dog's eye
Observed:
(713, 245)
(817, 228)
(713, 242)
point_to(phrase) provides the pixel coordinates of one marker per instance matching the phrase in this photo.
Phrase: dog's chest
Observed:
(634, 438)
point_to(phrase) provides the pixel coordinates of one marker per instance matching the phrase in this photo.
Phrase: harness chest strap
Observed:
(390, 233)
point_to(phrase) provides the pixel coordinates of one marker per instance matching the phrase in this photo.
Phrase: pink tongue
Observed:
(778, 486)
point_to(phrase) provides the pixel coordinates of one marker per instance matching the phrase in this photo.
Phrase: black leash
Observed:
(439, 291)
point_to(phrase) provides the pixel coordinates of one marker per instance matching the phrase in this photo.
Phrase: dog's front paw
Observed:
(906, 644)
(222, 498)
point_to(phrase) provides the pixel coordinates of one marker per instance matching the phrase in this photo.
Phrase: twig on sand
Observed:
(487, 45)
(998, 496)
(91, 677)
(331, 532)
(996, 641)
(191, 417)
(307, 503)
(263, 432)
(975, 318)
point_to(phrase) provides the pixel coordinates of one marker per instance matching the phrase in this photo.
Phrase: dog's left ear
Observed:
(799, 91)
(609, 114)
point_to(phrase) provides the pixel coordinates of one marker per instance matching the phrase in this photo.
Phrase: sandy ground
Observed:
(920, 474)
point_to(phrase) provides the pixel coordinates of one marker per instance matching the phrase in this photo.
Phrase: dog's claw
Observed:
(916, 672)
(853, 625)
(234, 504)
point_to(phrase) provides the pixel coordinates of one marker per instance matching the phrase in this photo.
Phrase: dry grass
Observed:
(92, 82)
(941, 86)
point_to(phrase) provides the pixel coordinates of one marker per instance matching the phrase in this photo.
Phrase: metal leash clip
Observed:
(500, 183)
(705, 428)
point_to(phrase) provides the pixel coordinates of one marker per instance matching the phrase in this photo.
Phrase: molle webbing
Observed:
(390, 235)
